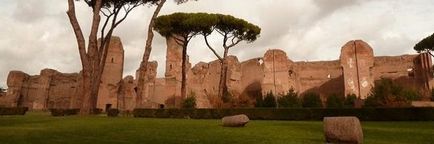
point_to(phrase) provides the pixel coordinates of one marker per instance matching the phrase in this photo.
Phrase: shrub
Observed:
(289, 100)
(364, 114)
(259, 101)
(64, 112)
(335, 101)
(312, 99)
(112, 112)
(388, 94)
(350, 100)
(227, 97)
(96, 111)
(13, 110)
(432, 94)
(190, 101)
(269, 100)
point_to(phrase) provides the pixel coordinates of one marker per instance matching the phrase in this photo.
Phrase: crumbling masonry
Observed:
(354, 73)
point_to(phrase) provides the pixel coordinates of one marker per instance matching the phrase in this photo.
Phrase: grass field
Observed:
(44, 129)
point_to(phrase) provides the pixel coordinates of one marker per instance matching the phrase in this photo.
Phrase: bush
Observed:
(388, 94)
(350, 100)
(190, 101)
(290, 100)
(112, 112)
(64, 112)
(96, 111)
(364, 114)
(259, 101)
(311, 99)
(432, 94)
(269, 100)
(227, 97)
(13, 110)
(335, 101)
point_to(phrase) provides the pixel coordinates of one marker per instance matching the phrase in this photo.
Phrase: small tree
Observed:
(335, 101)
(148, 48)
(190, 101)
(290, 100)
(183, 27)
(432, 94)
(311, 99)
(388, 94)
(350, 100)
(269, 100)
(93, 57)
(233, 31)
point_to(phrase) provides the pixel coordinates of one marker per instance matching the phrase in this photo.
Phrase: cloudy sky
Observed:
(36, 34)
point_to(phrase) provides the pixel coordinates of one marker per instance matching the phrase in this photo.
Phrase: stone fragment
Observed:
(235, 121)
(343, 130)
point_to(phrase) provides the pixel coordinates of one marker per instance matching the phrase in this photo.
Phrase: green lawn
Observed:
(44, 129)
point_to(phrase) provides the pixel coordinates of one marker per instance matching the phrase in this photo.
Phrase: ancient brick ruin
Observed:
(353, 73)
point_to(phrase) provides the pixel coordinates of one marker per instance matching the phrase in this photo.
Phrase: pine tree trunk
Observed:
(148, 48)
(86, 103)
(89, 59)
(223, 76)
(184, 72)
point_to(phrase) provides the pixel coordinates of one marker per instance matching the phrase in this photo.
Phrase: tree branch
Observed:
(209, 46)
(78, 33)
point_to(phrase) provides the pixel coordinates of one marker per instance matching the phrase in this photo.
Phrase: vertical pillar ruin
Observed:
(357, 59)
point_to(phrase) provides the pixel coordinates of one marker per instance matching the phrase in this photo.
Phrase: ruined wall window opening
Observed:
(108, 106)
(410, 72)
(113, 60)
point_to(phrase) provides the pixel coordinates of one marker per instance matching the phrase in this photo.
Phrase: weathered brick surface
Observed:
(353, 73)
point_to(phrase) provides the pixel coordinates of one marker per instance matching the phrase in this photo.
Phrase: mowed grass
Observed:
(44, 129)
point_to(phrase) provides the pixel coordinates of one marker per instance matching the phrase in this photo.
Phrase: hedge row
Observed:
(66, 112)
(366, 114)
(113, 112)
(13, 110)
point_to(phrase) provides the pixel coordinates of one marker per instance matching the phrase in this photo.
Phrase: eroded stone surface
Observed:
(343, 130)
(235, 121)
(354, 73)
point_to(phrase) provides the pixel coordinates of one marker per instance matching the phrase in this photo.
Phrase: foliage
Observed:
(227, 97)
(290, 100)
(239, 28)
(64, 112)
(13, 110)
(367, 114)
(350, 100)
(311, 99)
(335, 101)
(427, 44)
(112, 112)
(432, 94)
(114, 3)
(185, 24)
(386, 93)
(190, 101)
(268, 101)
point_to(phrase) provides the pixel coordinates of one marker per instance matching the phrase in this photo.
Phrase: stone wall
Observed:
(353, 73)
(52, 89)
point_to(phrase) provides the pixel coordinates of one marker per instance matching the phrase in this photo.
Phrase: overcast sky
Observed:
(36, 34)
